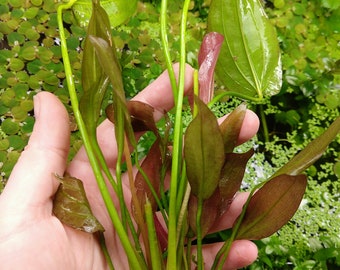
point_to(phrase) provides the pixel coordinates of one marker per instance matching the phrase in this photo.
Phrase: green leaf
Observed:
(94, 79)
(203, 152)
(331, 4)
(272, 206)
(118, 10)
(249, 62)
(312, 152)
(71, 206)
(10, 127)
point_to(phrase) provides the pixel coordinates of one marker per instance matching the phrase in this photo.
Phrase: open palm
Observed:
(32, 238)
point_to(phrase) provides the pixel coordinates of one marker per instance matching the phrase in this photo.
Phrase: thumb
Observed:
(31, 183)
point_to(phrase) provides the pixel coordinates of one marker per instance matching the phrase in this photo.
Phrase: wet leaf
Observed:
(203, 152)
(117, 10)
(231, 127)
(207, 59)
(94, 79)
(312, 152)
(272, 206)
(71, 206)
(249, 62)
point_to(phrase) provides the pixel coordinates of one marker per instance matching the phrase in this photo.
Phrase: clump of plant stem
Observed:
(158, 230)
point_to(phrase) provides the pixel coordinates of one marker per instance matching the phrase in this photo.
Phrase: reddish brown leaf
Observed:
(232, 173)
(207, 59)
(272, 206)
(203, 152)
(231, 127)
(210, 212)
(71, 206)
(141, 116)
(151, 166)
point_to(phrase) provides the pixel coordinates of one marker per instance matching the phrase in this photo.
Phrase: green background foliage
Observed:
(309, 36)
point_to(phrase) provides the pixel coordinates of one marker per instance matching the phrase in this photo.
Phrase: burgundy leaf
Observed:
(232, 173)
(210, 212)
(272, 206)
(151, 166)
(71, 207)
(203, 152)
(231, 127)
(207, 59)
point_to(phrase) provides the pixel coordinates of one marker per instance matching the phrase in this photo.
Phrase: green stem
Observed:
(102, 161)
(264, 124)
(153, 191)
(200, 261)
(224, 251)
(234, 94)
(183, 211)
(182, 188)
(177, 147)
(188, 260)
(156, 258)
(166, 50)
(196, 91)
(105, 251)
(134, 259)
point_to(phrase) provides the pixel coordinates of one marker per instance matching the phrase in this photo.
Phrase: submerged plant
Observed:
(205, 171)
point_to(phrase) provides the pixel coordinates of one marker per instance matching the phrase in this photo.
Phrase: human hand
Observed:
(31, 237)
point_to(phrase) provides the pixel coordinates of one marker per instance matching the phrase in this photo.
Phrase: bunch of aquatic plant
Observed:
(168, 216)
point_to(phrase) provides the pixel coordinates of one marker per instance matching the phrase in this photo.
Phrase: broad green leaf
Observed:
(203, 152)
(118, 10)
(94, 79)
(71, 206)
(231, 127)
(272, 206)
(249, 61)
(312, 152)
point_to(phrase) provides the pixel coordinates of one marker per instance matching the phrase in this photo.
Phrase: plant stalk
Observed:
(113, 213)
(177, 145)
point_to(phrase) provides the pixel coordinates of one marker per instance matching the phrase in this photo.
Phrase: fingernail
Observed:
(36, 103)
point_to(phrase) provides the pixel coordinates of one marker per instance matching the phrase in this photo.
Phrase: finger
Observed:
(228, 218)
(31, 183)
(249, 128)
(242, 253)
(158, 95)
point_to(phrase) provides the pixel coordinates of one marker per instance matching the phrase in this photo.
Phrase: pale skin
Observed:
(31, 237)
